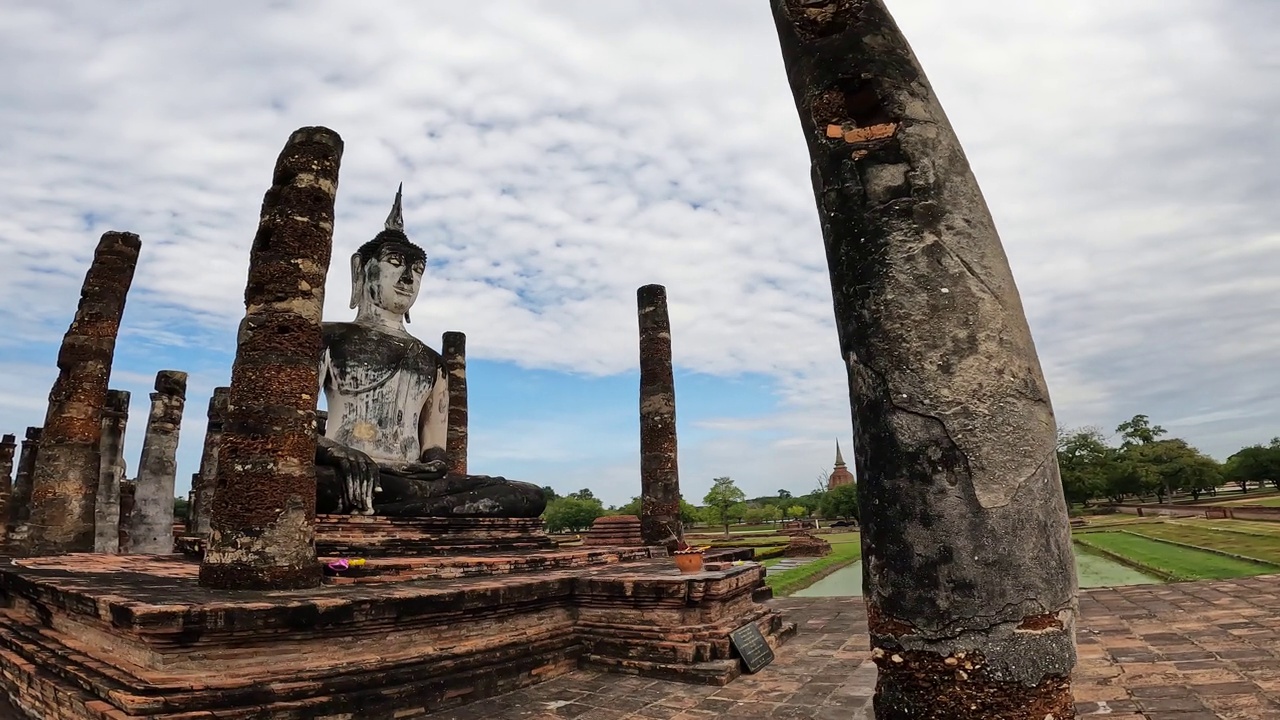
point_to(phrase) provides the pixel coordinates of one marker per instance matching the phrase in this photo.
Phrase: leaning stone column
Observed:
(454, 349)
(65, 480)
(203, 488)
(7, 446)
(969, 578)
(20, 498)
(263, 530)
(659, 471)
(152, 527)
(115, 416)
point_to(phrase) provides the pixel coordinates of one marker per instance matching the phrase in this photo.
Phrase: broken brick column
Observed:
(659, 470)
(203, 487)
(20, 497)
(262, 534)
(968, 572)
(8, 444)
(151, 529)
(115, 416)
(453, 347)
(64, 484)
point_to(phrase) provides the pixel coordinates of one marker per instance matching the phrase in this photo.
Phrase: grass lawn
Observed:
(1210, 537)
(1174, 562)
(845, 548)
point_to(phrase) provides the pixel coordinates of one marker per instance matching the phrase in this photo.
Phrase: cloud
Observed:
(557, 155)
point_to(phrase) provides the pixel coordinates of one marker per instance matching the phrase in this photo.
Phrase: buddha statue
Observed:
(382, 450)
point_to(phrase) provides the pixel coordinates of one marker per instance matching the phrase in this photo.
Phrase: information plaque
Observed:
(752, 647)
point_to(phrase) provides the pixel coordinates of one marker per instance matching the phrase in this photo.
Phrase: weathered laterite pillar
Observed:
(8, 444)
(64, 484)
(659, 470)
(204, 481)
(20, 498)
(151, 531)
(453, 347)
(968, 572)
(128, 491)
(264, 503)
(115, 416)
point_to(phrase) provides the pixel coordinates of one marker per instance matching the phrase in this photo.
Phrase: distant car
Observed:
(844, 523)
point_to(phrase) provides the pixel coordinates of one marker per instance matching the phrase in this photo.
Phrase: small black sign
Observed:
(752, 647)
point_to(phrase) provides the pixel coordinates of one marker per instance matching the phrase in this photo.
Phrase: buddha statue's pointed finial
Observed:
(395, 221)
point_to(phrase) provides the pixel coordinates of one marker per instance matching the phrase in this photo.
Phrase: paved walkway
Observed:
(1190, 651)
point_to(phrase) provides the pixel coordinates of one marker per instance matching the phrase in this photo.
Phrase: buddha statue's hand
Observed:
(359, 475)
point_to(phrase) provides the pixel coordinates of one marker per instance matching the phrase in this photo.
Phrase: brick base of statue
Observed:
(92, 636)
(376, 536)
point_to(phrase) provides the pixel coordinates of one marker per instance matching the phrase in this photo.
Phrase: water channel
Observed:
(1092, 570)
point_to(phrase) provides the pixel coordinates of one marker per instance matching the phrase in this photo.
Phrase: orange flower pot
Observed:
(688, 562)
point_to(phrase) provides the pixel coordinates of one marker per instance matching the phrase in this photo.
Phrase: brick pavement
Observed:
(1189, 651)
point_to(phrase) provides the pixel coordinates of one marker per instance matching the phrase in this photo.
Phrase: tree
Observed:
(841, 501)
(1083, 458)
(796, 511)
(631, 508)
(757, 515)
(572, 514)
(689, 514)
(180, 506)
(583, 494)
(1258, 464)
(784, 494)
(720, 501)
(1138, 430)
(823, 478)
(550, 493)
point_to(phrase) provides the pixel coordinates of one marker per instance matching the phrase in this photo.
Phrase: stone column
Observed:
(970, 583)
(151, 529)
(65, 481)
(8, 444)
(128, 491)
(262, 535)
(659, 470)
(115, 416)
(20, 498)
(203, 482)
(453, 346)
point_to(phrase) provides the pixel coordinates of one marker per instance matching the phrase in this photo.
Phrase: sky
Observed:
(556, 155)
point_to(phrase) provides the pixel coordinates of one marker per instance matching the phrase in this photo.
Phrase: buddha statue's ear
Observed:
(406, 317)
(357, 280)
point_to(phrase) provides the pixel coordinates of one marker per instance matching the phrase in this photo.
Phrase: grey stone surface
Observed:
(115, 418)
(205, 480)
(151, 527)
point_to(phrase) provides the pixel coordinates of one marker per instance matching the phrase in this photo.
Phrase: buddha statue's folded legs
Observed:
(405, 492)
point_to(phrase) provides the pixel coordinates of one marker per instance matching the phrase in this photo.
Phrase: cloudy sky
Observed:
(557, 155)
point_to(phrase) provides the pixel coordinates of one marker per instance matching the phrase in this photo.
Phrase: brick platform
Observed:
(1190, 651)
(372, 535)
(115, 637)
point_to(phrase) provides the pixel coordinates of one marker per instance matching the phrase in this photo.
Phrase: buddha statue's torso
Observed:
(377, 385)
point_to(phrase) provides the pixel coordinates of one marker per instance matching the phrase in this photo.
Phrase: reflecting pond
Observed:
(1094, 571)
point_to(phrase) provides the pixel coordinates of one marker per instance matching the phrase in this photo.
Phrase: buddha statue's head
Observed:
(386, 272)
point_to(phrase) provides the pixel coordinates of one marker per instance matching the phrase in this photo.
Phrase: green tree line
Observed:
(1146, 463)
(724, 505)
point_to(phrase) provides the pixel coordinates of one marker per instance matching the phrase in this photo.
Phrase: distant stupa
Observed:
(840, 475)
